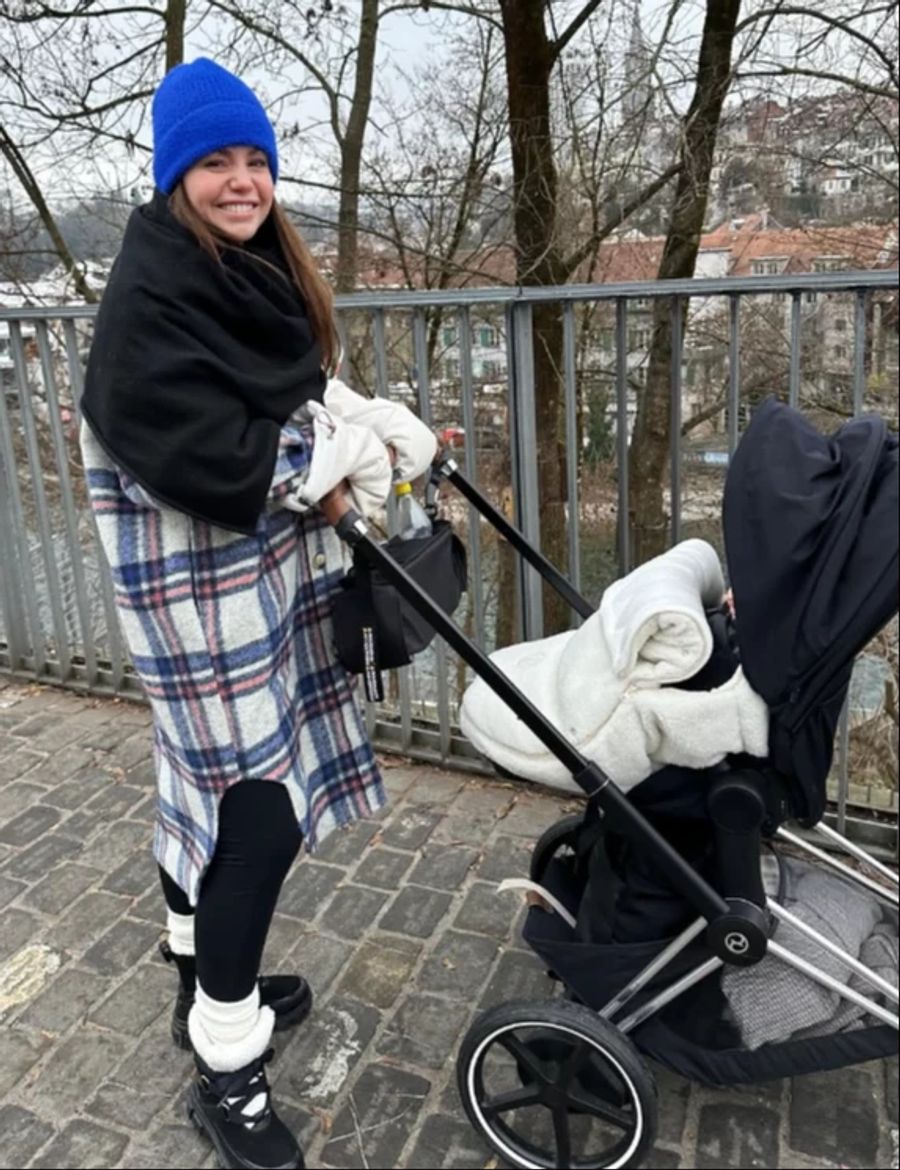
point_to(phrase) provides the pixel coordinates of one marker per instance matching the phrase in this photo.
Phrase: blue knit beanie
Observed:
(199, 108)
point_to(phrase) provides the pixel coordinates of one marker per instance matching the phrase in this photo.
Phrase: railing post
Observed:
(523, 444)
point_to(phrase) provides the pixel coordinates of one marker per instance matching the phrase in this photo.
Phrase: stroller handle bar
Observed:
(623, 816)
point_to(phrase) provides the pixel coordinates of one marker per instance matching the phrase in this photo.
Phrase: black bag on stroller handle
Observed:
(375, 629)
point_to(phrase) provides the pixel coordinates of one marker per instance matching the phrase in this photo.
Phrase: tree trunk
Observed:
(23, 173)
(649, 453)
(351, 150)
(174, 18)
(530, 58)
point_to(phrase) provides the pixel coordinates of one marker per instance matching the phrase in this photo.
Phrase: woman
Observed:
(207, 447)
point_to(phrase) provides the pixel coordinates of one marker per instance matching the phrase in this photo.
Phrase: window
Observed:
(487, 336)
(830, 264)
(451, 369)
(491, 370)
(840, 325)
(810, 298)
(840, 352)
(449, 335)
(639, 338)
(767, 267)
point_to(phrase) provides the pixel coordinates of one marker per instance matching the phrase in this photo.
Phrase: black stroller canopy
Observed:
(812, 545)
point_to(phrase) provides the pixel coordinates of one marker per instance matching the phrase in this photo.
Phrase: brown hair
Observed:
(313, 287)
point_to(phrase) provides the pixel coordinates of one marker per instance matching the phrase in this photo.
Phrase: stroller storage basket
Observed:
(693, 1035)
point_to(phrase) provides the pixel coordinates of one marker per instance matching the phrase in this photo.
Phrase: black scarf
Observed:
(196, 365)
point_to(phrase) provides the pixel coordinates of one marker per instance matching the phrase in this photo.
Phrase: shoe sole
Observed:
(284, 1020)
(199, 1120)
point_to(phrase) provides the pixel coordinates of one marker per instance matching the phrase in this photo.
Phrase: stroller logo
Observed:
(737, 943)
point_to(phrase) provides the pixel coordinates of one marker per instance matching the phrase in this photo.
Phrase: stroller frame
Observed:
(737, 928)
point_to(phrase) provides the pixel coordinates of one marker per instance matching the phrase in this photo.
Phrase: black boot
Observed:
(234, 1110)
(289, 996)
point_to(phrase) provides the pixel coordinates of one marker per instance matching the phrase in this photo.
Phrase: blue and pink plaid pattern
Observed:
(231, 636)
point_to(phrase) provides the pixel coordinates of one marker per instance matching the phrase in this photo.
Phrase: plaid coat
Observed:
(231, 636)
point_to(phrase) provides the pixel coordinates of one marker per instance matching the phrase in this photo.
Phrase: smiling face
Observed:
(232, 190)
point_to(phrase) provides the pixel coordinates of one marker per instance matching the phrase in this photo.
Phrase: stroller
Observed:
(680, 918)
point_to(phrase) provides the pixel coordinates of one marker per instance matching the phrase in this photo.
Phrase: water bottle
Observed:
(412, 519)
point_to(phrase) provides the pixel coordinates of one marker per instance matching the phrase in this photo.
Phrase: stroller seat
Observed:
(627, 687)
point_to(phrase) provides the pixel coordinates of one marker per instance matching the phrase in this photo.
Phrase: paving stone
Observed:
(423, 1030)
(77, 791)
(49, 733)
(487, 912)
(135, 876)
(373, 1126)
(138, 1001)
(18, 763)
(459, 965)
(42, 855)
(143, 774)
(114, 1102)
(10, 890)
(848, 1134)
(518, 976)
(176, 1144)
(81, 1144)
(443, 867)
(737, 1136)
(354, 909)
(154, 1063)
(449, 1142)
(76, 1067)
(85, 921)
(674, 1094)
(18, 929)
(306, 888)
(659, 1159)
(384, 868)
(119, 841)
(280, 941)
(410, 827)
(67, 1000)
(416, 911)
(315, 1065)
(23, 1135)
(377, 975)
(121, 947)
(136, 751)
(145, 812)
(397, 778)
(345, 846)
(320, 958)
(114, 801)
(15, 798)
(29, 825)
(104, 738)
(460, 828)
(20, 1050)
(62, 887)
(151, 907)
(529, 815)
(890, 1088)
(429, 786)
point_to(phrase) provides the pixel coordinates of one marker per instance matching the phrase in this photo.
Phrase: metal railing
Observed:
(57, 615)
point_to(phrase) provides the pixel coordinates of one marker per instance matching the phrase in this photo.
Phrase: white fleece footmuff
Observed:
(604, 685)
(392, 422)
(343, 451)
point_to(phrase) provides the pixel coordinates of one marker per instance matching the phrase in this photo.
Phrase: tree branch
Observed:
(575, 24)
(643, 196)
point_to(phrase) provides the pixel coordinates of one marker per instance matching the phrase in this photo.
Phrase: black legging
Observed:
(256, 846)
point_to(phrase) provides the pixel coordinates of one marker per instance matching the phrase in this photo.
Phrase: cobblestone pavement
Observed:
(398, 927)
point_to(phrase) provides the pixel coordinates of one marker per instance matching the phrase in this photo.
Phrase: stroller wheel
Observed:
(552, 1084)
(557, 841)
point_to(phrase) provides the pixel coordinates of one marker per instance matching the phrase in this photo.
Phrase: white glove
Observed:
(343, 451)
(394, 424)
